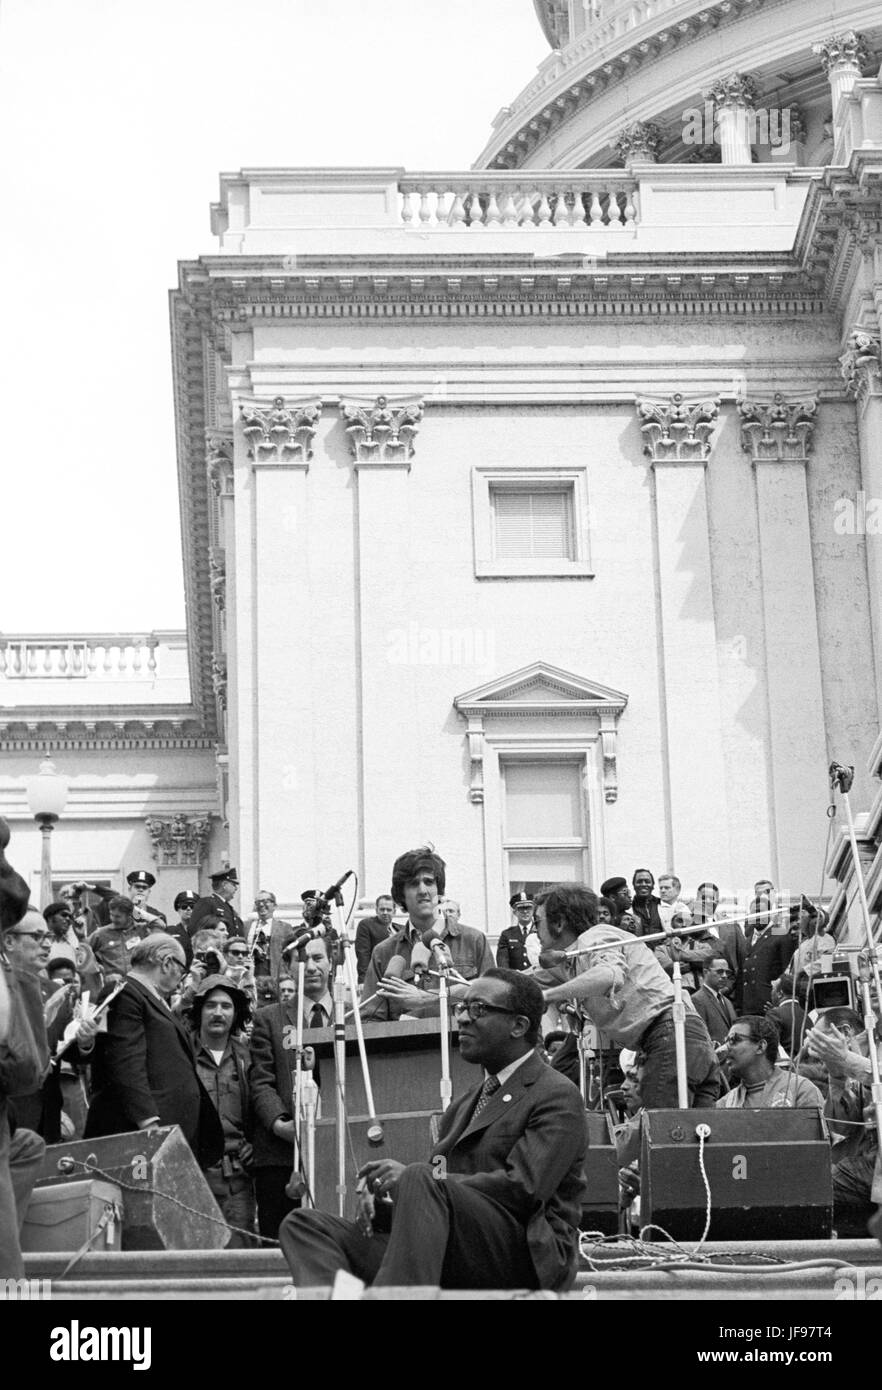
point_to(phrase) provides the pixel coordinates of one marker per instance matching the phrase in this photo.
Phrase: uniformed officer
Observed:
(224, 887)
(140, 882)
(511, 952)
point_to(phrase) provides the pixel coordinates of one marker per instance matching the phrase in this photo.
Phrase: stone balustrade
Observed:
(596, 199)
(79, 657)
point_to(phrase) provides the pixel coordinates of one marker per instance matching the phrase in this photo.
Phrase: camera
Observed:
(211, 960)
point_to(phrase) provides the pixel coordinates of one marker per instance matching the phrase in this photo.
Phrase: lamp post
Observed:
(47, 798)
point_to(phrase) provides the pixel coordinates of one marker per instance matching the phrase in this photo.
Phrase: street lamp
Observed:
(47, 798)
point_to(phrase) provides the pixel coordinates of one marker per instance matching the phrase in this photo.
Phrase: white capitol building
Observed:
(531, 509)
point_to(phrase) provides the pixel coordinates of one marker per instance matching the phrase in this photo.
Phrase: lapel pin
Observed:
(506, 1096)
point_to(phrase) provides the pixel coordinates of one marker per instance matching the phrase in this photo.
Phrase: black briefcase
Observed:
(769, 1173)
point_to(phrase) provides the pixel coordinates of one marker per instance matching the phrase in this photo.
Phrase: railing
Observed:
(599, 200)
(105, 656)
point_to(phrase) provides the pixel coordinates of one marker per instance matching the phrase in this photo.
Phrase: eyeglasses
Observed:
(734, 1038)
(477, 1008)
(37, 935)
(238, 955)
(173, 960)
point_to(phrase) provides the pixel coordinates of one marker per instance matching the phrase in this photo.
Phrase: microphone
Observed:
(302, 937)
(442, 955)
(419, 961)
(396, 968)
(334, 889)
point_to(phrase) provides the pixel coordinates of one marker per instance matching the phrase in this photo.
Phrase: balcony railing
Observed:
(600, 201)
(79, 656)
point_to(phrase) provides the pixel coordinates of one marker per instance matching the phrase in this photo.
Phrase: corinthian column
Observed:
(734, 99)
(779, 435)
(676, 434)
(842, 56)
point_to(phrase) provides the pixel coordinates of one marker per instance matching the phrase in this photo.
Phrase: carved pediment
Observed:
(538, 687)
(537, 690)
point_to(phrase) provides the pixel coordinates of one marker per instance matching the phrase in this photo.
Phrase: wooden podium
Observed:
(405, 1070)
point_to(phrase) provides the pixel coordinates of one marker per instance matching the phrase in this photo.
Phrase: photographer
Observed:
(218, 1016)
(840, 1044)
(208, 959)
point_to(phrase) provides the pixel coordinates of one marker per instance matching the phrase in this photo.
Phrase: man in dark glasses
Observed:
(498, 1203)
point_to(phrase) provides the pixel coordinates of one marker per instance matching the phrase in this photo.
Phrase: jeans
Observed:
(658, 1084)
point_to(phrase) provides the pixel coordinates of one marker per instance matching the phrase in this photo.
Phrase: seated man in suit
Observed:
(144, 1072)
(498, 1203)
(711, 1000)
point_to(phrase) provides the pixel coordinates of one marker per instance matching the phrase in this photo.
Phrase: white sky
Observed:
(117, 118)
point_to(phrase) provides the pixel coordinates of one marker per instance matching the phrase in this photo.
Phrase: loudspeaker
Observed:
(769, 1173)
(408, 1138)
(146, 1165)
(601, 1209)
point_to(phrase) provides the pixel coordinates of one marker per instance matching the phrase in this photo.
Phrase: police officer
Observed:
(140, 882)
(224, 887)
(511, 952)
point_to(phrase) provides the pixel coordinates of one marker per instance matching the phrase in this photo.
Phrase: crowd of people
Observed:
(194, 1023)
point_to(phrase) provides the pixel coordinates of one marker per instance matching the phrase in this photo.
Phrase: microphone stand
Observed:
(350, 975)
(842, 777)
(340, 1070)
(679, 1016)
(446, 1087)
(310, 1098)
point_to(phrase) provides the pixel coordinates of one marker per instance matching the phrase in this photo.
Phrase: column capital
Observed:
(861, 364)
(219, 462)
(737, 89)
(381, 434)
(639, 140)
(775, 430)
(278, 433)
(848, 49)
(676, 430)
(178, 841)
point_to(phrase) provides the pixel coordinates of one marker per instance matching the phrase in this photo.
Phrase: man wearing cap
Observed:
(180, 930)
(112, 946)
(224, 887)
(618, 892)
(140, 882)
(218, 1015)
(511, 952)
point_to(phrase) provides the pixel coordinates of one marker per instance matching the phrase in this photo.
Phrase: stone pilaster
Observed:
(861, 366)
(279, 433)
(779, 436)
(178, 841)
(677, 439)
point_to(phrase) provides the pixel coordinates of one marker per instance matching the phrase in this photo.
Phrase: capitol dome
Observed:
(652, 64)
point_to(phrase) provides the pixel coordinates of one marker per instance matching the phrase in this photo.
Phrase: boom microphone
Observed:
(302, 937)
(334, 889)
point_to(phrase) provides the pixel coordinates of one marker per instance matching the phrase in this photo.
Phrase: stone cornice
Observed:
(842, 218)
(94, 730)
(189, 328)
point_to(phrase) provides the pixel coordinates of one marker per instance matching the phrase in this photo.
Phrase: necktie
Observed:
(489, 1088)
(317, 1017)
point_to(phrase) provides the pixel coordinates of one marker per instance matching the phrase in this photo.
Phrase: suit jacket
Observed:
(271, 1079)
(222, 909)
(368, 934)
(144, 1066)
(734, 945)
(768, 956)
(716, 1010)
(526, 1151)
